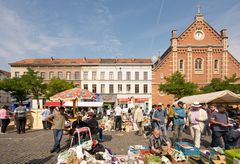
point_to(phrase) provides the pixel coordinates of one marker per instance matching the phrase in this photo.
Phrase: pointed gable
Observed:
(199, 33)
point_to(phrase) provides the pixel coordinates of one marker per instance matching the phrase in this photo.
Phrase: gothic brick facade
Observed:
(200, 53)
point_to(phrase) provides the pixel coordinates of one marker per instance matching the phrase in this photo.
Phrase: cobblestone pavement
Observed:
(34, 145)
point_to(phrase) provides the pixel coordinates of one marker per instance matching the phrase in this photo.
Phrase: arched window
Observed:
(181, 64)
(216, 63)
(60, 75)
(68, 75)
(51, 74)
(198, 64)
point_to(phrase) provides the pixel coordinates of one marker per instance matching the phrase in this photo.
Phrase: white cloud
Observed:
(23, 39)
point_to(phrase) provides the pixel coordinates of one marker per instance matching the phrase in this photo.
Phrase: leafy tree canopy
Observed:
(177, 86)
(228, 83)
(17, 88)
(57, 85)
(35, 84)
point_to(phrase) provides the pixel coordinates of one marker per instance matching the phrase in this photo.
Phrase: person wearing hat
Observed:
(197, 116)
(179, 115)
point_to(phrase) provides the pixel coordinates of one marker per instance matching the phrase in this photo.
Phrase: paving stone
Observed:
(34, 145)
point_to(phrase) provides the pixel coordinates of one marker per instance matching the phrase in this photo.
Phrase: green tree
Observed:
(57, 85)
(35, 84)
(177, 86)
(17, 88)
(228, 83)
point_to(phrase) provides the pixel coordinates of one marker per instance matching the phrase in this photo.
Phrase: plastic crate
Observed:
(230, 154)
(187, 149)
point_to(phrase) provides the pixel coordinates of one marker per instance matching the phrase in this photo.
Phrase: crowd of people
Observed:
(199, 120)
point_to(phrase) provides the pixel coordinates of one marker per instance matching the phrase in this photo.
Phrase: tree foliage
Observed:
(57, 85)
(177, 86)
(228, 83)
(17, 88)
(35, 84)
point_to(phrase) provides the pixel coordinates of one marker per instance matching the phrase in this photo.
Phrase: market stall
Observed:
(74, 95)
(221, 97)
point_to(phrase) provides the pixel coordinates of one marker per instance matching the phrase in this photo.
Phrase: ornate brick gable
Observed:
(200, 53)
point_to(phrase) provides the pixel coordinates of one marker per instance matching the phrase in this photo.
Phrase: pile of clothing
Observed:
(84, 154)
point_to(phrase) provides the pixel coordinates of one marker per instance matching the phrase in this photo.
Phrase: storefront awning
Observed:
(84, 104)
(53, 103)
(132, 99)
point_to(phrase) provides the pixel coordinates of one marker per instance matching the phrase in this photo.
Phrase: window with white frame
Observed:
(136, 88)
(145, 75)
(128, 75)
(68, 75)
(60, 75)
(102, 75)
(110, 75)
(51, 74)
(17, 74)
(181, 64)
(43, 75)
(77, 75)
(94, 88)
(94, 75)
(119, 75)
(145, 88)
(111, 88)
(85, 75)
(128, 88)
(102, 88)
(85, 86)
(119, 88)
(136, 75)
(198, 64)
(216, 65)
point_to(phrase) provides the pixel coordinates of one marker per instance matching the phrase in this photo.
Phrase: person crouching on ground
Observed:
(197, 116)
(138, 119)
(57, 120)
(158, 144)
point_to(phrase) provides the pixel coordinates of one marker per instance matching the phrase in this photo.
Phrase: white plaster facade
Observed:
(70, 67)
(141, 98)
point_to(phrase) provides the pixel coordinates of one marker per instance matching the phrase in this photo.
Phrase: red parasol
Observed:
(74, 94)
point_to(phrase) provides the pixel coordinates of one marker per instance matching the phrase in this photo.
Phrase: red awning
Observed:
(124, 99)
(53, 103)
(132, 99)
(141, 99)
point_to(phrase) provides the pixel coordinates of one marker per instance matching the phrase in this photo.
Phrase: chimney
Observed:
(52, 58)
(174, 40)
(224, 33)
(224, 39)
(84, 59)
(174, 33)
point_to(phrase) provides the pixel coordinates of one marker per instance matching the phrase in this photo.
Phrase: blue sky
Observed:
(105, 28)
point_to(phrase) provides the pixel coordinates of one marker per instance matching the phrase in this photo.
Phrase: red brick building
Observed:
(200, 53)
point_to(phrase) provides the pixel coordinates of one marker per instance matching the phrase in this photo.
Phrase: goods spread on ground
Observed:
(91, 152)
